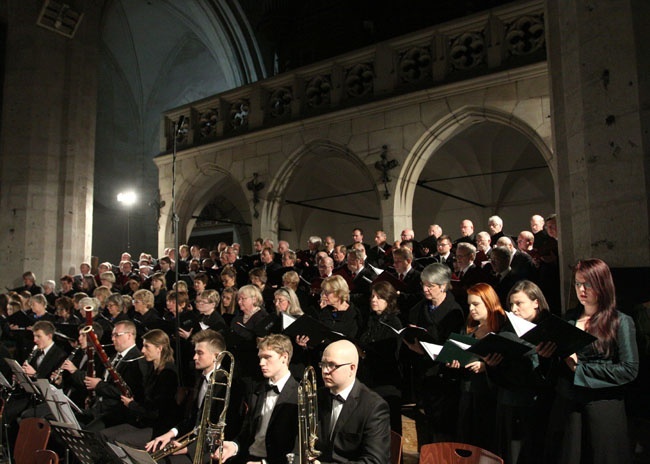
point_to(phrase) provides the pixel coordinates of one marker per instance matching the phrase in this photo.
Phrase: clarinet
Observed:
(117, 378)
(90, 354)
(56, 375)
(32, 355)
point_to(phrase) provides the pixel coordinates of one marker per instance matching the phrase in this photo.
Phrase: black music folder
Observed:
(21, 319)
(315, 330)
(386, 276)
(456, 349)
(568, 338)
(410, 333)
(495, 343)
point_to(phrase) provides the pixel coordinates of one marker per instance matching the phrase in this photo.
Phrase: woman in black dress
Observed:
(588, 421)
(379, 369)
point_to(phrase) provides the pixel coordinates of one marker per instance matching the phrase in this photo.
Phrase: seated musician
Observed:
(129, 368)
(271, 425)
(159, 411)
(208, 345)
(354, 422)
(43, 360)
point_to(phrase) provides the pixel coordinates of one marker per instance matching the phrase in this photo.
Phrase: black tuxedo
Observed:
(107, 409)
(50, 362)
(361, 433)
(283, 426)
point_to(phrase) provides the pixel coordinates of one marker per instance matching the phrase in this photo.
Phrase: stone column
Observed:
(48, 144)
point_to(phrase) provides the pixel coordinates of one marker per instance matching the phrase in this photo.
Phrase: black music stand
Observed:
(60, 405)
(86, 446)
(23, 379)
(136, 455)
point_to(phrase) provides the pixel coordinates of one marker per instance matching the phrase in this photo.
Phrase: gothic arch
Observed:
(446, 129)
(270, 213)
(194, 193)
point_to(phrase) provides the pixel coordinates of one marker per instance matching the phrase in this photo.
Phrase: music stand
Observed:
(4, 383)
(23, 379)
(86, 446)
(60, 405)
(137, 456)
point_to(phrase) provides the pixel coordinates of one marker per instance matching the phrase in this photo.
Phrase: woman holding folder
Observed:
(477, 406)
(524, 394)
(588, 421)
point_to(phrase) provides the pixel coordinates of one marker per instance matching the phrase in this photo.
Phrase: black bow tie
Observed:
(338, 398)
(268, 387)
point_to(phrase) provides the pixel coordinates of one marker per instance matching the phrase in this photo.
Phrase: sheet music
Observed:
(287, 320)
(520, 324)
(432, 349)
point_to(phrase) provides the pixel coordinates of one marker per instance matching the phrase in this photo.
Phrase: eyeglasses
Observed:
(331, 367)
(429, 286)
(202, 302)
(585, 285)
(117, 334)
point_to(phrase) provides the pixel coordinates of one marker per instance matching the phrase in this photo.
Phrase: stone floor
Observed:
(410, 450)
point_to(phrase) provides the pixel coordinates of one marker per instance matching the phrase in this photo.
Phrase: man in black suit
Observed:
(379, 255)
(495, 224)
(108, 410)
(357, 237)
(48, 356)
(354, 423)
(466, 233)
(445, 255)
(505, 278)
(430, 243)
(43, 360)
(410, 287)
(271, 425)
(208, 345)
(521, 263)
(359, 278)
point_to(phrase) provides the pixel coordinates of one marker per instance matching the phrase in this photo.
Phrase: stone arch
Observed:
(270, 213)
(203, 185)
(444, 130)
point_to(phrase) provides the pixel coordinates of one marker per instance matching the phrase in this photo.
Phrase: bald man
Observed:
(354, 423)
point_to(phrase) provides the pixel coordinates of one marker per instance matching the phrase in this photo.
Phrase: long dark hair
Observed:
(604, 323)
(386, 291)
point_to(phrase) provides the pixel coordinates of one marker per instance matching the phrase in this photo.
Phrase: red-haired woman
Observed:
(477, 406)
(588, 420)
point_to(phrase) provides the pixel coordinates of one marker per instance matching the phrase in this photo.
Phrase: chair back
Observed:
(45, 456)
(396, 445)
(456, 453)
(33, 434)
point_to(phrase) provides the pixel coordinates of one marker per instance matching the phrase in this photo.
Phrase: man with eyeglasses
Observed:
(353, 421)
(107, 410)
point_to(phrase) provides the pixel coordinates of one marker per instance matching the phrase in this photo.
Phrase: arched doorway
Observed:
(327, 190)
(484, 169)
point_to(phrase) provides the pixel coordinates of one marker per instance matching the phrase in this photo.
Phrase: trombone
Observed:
(208, 435)
(307, 419)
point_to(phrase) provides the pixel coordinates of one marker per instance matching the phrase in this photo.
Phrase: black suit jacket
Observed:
(283, 426)
(132, 368)
(51, 361)
(362, 431)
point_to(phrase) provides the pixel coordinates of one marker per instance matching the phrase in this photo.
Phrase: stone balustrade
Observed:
(495, 40)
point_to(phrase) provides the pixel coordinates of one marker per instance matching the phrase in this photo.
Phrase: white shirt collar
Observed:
(346, 392)
(282, 382)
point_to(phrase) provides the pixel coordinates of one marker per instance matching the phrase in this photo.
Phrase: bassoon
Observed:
(117, 378)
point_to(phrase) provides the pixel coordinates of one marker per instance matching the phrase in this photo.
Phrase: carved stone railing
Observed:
(495, 40)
